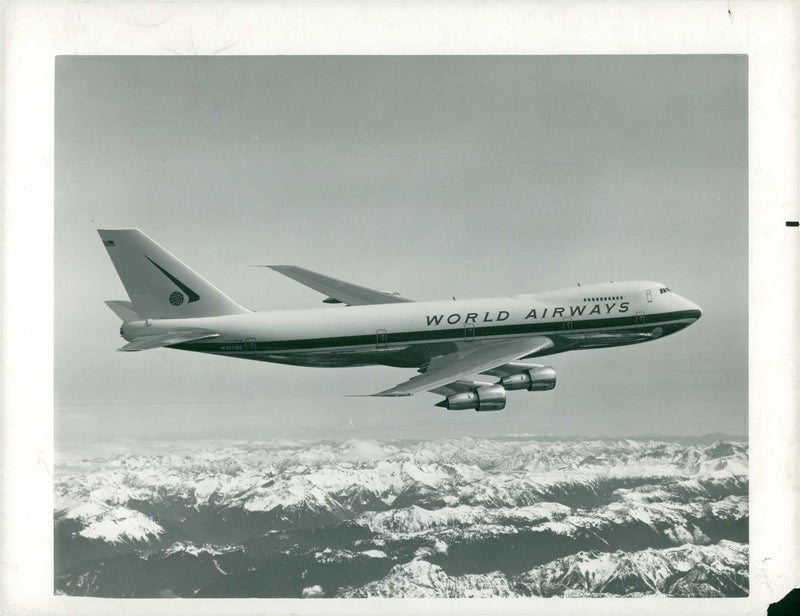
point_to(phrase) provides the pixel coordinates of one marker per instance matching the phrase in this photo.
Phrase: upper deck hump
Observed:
(592, 292)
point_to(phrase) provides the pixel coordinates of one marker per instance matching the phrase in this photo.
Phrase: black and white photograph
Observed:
(411, 308)
(580, 431)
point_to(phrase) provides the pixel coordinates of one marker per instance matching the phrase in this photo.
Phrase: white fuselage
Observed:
(409, 334)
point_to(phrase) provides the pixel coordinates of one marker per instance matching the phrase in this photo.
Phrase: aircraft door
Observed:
(250, 345)
(640, 318)
(469, 332)
(381, 338)
(567, 324)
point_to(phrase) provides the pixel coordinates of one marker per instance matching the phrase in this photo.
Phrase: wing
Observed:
(338, 291)
(144, 343)
(448, 370)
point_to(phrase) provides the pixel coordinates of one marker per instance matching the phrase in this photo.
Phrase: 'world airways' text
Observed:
(533, 313)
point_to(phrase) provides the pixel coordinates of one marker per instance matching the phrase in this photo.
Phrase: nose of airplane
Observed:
(695, 311)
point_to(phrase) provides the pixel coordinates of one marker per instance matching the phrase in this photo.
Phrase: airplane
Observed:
(449, 342)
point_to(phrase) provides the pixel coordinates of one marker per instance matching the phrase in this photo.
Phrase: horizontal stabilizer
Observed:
(124, 310)
(143, 343)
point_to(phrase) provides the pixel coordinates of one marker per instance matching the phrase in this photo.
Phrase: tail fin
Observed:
(159, 285)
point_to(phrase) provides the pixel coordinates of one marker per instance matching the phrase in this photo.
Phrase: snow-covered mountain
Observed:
(510, 516)
(690, 570)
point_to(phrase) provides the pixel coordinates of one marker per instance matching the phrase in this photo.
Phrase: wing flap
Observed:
(448, 369)
(144, 343)
(510, 368)
(459, 387)
(338, 291)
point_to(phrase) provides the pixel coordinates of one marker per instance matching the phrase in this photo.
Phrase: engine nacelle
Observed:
(542, 378)
(487, 398)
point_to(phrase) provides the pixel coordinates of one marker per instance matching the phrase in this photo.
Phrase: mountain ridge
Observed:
(468, 506)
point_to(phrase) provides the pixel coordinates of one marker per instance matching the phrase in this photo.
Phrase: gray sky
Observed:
(431, 176)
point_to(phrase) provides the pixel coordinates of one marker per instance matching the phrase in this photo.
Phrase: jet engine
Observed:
(541, 378)
(486, 398)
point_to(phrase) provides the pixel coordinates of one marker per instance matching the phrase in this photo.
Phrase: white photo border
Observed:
(35, 32)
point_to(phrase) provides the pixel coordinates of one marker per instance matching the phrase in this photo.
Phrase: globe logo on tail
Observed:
(176, 297)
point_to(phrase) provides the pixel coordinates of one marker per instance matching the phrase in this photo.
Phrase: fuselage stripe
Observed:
(447, 335)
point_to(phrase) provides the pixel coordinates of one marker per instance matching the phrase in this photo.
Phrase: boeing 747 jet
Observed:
(449, 342)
